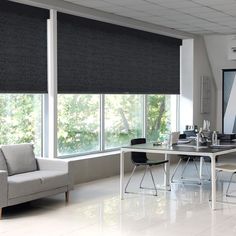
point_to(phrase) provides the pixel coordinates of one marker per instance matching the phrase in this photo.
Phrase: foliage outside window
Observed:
(78, 123)
(161, 116)
(79, 120)
(20, 117)
(123, 119)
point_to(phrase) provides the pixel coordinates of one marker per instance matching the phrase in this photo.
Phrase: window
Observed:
(161, 116)
(123, 119)
(20, 118)
(89, 123)
(78, 123)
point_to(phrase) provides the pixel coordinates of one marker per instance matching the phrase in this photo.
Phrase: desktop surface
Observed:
(184, 147)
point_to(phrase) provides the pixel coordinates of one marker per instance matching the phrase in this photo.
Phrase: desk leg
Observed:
(121, 175)
(213, 182)
(167, 172)
(200, 169)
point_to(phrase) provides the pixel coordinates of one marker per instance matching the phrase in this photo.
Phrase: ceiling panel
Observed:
(195, 10)
(174, 5)
(193, 16)
(224, 7)
(224, 19)
(213, 2)
(125, 2)
(231, 12)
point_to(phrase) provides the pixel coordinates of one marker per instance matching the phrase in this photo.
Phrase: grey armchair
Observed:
(24, 178)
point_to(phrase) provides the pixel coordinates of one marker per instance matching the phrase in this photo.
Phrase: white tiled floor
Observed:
(95, 209)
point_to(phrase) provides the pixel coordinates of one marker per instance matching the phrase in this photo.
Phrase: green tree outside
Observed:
(20, 119)
(79, 120)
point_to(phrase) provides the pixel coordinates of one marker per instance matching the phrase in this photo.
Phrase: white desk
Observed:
(176, 150)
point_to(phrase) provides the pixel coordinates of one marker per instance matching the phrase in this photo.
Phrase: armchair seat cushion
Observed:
(34, 182)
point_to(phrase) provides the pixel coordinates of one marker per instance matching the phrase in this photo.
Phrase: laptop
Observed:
(174, 138)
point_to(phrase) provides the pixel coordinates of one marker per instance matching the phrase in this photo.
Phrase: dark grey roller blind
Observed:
(23, 48)
(97, 57)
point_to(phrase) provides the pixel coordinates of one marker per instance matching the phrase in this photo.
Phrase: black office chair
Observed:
(188, 159)
(140, 159)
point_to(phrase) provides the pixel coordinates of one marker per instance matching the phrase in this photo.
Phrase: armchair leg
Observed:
(67, 196)
(0, 213)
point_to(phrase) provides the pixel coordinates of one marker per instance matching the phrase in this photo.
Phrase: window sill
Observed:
(91, 156)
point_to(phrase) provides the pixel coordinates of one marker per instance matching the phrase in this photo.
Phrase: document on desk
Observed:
(183, 141)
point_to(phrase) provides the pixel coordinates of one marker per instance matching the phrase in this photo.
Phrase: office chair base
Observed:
(197, 181)
(227, 190)
(140, 185)
(187, 181)
(147, 194)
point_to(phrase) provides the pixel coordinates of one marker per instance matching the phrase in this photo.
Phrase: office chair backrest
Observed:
(138, 157)
(182, 136)
(190, 133)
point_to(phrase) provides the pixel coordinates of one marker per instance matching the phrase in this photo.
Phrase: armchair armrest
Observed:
(52, 164)
(57, 165)
(3, 188)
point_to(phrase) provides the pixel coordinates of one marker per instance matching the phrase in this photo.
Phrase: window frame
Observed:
(102, 126)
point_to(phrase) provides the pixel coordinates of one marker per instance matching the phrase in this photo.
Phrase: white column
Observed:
(45, 126)
(145, 111)
(52, 84)
(102, 123)
(122, 153)
(186, 84)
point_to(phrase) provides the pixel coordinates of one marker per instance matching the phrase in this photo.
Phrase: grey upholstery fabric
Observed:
(3, 188)
(3, 165)
(57, 164)
(53, 177)
(26, 198)
(20, 158)
(36, 181)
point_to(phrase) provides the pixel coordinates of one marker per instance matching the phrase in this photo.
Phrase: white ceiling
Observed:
(193, 16)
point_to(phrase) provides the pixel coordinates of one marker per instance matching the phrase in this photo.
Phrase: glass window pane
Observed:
(123, 119)
(161, 116)
(20, 117)
(78, 123)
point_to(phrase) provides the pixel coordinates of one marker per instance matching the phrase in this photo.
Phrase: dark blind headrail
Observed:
(97, 57)
(23, 48)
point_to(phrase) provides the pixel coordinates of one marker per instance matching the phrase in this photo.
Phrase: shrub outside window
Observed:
(123, 119)
(20, 118)
(78, 123)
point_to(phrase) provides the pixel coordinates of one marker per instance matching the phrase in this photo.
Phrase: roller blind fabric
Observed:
(23, 48)
(98, 57)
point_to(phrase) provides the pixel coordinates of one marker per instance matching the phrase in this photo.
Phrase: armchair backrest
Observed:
(19, 158)
(3, 164)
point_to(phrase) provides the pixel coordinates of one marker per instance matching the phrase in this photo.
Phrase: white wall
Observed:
(97, 168)
(202, 67)
(217, 48)
(186, 84)
(194, 65)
